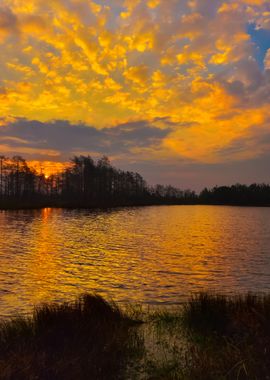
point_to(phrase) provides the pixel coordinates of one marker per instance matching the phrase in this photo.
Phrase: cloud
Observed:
(156, 79)
(138, 146)
(255, 143)
(137, 74)
(32, 138)
(8, 23)
(267, 60)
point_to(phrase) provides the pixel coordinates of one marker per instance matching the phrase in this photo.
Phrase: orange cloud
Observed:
(190, 62)
(137, 74)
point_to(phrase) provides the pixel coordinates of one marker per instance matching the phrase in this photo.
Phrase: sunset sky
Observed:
(178, 90)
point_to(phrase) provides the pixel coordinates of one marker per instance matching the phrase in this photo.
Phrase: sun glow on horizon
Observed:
(48, 168)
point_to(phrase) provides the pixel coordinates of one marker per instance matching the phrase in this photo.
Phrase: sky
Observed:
(178, 90)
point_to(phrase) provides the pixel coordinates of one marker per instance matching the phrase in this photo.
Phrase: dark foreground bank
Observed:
(208, 337)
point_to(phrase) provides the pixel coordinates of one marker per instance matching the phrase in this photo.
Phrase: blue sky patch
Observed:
(261, 39)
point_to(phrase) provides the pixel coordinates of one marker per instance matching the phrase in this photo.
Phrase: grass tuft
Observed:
(89, 338)
(230, 335)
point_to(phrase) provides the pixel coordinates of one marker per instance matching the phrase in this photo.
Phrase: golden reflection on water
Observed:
(152, 255)
(42, 267)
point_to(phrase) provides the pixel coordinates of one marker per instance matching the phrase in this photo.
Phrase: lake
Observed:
(151, 255)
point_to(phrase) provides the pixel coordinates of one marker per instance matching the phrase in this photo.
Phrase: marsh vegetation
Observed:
(208, 337)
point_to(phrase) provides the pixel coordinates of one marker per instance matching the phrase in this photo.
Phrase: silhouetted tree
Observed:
(86, 182)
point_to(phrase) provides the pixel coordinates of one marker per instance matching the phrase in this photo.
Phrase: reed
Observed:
(209, 337)
(86, 339)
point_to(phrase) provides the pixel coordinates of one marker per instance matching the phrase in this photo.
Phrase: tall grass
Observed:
(210, 337)
(230, 336)
(87, 339)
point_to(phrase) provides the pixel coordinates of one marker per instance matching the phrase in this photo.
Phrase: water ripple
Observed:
(151, 255)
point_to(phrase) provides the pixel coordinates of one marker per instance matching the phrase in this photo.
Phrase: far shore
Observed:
(104, 205)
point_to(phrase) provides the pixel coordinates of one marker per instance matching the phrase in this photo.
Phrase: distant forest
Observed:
(89, 183)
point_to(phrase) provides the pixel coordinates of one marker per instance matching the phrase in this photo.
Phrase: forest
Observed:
(86, 182)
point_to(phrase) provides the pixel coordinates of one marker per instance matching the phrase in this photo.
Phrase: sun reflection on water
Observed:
(151, 255)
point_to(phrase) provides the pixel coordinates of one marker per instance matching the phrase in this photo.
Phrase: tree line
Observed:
(254, 194)
(85, 182)
(96, 183)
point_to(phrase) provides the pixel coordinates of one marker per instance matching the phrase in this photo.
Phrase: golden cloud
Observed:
(137, 60)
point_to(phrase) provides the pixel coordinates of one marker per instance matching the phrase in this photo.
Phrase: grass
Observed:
(87, 339)
(230, 336)
(210, 337)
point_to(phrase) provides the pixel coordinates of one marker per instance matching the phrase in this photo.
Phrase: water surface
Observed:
(150, 255)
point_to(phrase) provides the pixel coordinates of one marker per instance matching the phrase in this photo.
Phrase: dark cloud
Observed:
(68, 139)
(251, 86)
(8, 22)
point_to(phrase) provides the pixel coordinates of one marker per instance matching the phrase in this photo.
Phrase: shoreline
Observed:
(74, 206)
